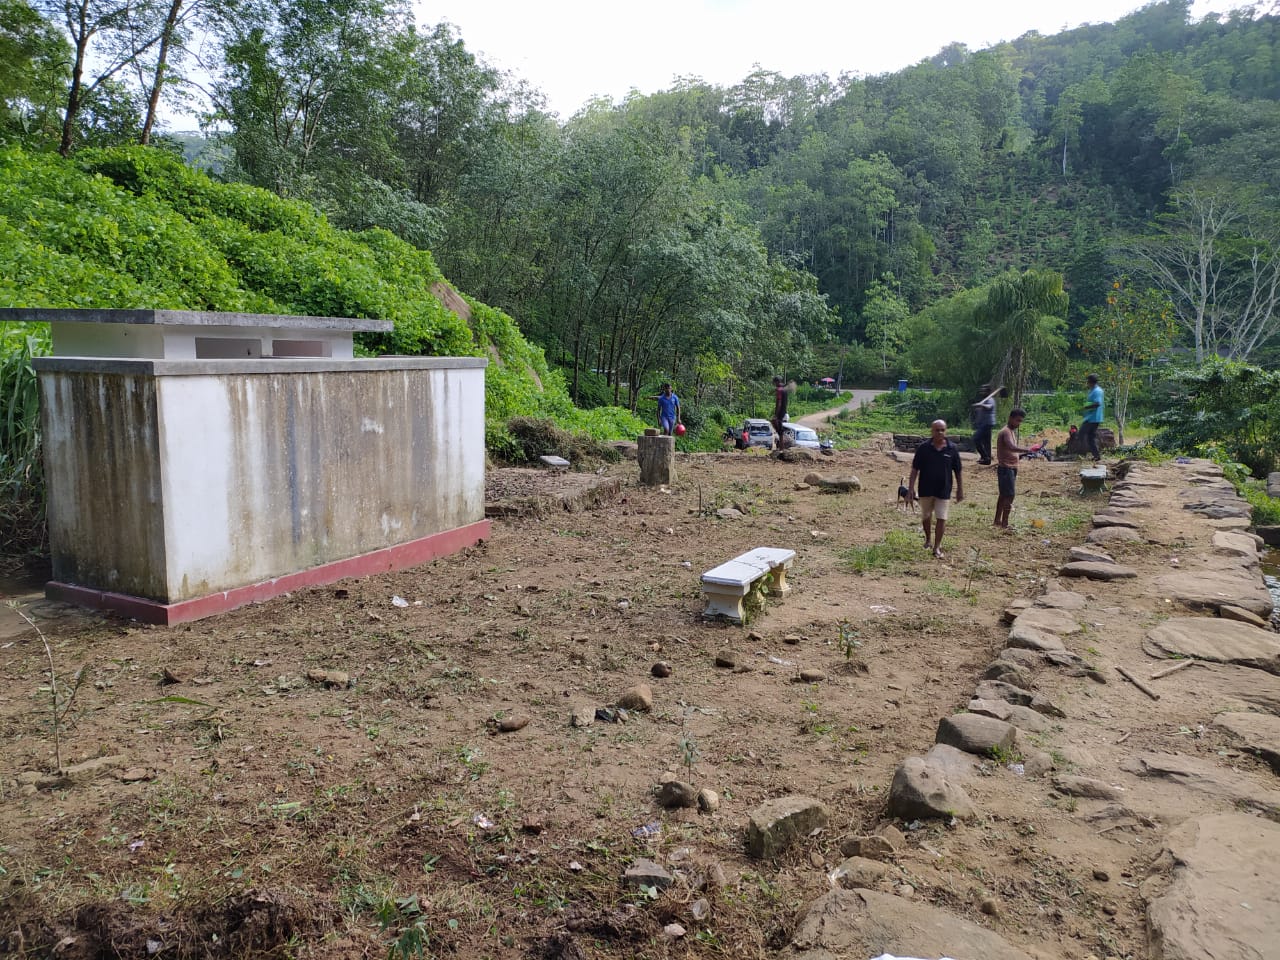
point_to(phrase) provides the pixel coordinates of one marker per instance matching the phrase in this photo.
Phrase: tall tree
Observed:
(1024, 318)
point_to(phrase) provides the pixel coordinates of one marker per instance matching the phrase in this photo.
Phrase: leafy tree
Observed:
(33, 70)
(1023, 321)
(884, 317)
(1134, 328)
(1224, 403)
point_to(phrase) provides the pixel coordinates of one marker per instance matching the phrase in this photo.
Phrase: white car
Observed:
(801, 436)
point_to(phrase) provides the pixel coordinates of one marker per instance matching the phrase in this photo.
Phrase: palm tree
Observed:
(1022, 324)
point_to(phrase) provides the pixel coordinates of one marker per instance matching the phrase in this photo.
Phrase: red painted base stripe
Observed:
(399, 557)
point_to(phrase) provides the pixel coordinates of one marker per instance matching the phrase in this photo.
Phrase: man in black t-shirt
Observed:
(935, 462)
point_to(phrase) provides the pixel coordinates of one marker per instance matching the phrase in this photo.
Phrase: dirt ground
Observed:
(251, 811)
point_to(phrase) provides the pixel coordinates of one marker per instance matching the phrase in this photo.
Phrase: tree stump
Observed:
(657, 458)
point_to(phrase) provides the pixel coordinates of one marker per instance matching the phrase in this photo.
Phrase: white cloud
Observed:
(575, 49)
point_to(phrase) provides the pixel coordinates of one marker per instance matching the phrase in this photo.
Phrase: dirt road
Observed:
(330, 775)
(859, 397)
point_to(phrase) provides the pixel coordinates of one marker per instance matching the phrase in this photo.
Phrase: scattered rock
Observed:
(1102, 876)
(812, 676)
(774, 825)
(176, 674)
(1085, 555)
(956, 765)
(859, 872)
(1026, 659)
(91, 769)
(1028, 719)
(639, 698)
(582, 716)
(840, 485)
(1042, 704)
(1228, 612)
(792, 639)
(708, 800)
(1204, 776)
(646, 873)
(676, 794)
(673, 931)
(872, 847)
(867, 923)
(661, 669)
(1008, 672)
(975, 733)
(1014, 608)
(1258, 732)
(1219, 641)
(1097, 571)
(1048, 620)
(135, 775)
(1062, 600)
(1217, 895)
(330, 679)
(1026, 637)
(732, 660)
(990, 906)
(1087, 787)
(1113, 520)
(992, 708)
(1230, 523)
(920, 790)
(1235, 545)
(1114, 535)
(999, 690)
(1210, 589)
(728, 513)
(1036, 763)
(512, 724)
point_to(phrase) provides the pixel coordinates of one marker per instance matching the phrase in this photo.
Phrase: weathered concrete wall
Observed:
(102, 464)
(236, 472)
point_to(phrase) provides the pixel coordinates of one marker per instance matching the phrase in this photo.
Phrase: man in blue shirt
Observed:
(936, 461)
(1092, 411)
(668, 410)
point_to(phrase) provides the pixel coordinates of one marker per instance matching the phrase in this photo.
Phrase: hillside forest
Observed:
(1103, 199)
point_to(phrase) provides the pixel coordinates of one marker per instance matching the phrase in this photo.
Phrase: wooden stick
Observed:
(1137, 683)
(1174, 669)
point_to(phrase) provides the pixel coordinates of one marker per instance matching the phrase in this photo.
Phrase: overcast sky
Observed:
(573, 50)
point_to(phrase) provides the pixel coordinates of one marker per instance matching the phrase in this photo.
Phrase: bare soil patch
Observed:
(266, 814)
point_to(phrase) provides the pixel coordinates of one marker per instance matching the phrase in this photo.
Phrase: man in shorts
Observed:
(1092, 416)
(668, 410)
(936, 461)
(1007, 451)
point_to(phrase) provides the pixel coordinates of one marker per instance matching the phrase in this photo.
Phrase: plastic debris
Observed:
(1018, 769)
(646, 830)
(780, 662)
(397, 601)
(882, 608)
(483, 822)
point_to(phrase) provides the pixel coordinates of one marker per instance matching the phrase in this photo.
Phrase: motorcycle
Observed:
(1038, 451)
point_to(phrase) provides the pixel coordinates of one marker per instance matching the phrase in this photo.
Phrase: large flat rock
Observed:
(1049, 620)
(1258, 732)
(864, 923)
(1210, 589)
(1098, 571)
(1204, 776)
(1235, 544)
(1114, 535)
(1217, 896)
(1218, 641)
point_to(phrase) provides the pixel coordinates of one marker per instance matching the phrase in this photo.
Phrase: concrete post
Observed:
(657, 458)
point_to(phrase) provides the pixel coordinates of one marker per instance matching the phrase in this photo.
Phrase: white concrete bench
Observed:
(1093, 480)
(728, 585)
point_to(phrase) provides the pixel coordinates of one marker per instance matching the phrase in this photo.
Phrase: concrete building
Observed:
(197, 461)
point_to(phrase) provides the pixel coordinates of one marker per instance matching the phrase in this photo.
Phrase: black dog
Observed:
(904, 496)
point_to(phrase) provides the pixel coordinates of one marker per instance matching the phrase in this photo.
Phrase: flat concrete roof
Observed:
(240, 365)
(193, 318)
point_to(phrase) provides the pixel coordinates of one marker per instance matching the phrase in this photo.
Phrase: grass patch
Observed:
(895, 552)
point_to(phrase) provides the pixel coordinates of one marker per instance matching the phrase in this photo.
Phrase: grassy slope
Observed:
(136, 227)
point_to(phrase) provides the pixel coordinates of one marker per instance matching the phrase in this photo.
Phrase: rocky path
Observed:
(1138, 699)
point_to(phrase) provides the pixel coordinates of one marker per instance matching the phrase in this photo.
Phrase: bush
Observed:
(531, 438)
(23, 532)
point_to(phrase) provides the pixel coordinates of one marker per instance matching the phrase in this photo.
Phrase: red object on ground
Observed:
(680, 431)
